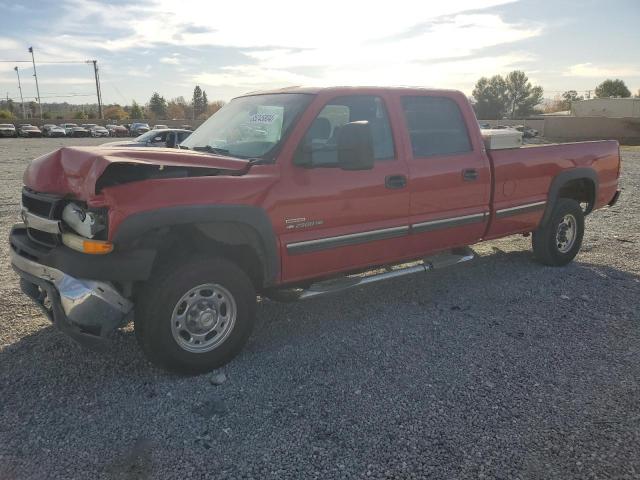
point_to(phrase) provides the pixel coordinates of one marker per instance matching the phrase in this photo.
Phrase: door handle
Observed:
(394, 182)
(469, 174)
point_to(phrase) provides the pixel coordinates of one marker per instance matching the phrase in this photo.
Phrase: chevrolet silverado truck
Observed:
(287, 194)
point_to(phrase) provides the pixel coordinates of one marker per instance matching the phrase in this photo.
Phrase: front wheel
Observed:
(558, 241)
(196, 315)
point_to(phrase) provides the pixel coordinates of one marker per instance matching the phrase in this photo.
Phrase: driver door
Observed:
(339, 220)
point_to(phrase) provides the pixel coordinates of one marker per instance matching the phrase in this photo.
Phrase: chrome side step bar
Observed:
(326, 287)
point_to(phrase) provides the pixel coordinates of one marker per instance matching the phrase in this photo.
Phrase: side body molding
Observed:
(561, 179)
(138, 224)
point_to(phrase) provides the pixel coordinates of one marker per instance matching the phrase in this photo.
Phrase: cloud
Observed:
(268, 45)
(172, 59)
(593, 71)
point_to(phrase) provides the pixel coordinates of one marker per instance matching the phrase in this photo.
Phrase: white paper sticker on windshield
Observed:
(263, 118)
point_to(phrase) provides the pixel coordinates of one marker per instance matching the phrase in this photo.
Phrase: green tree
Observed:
(80, 115)
(197, 101)
(490, 98)
(612, 88)
(205, 102)
(522, 97)
(6, 115)
(136, 112)
(567, 98)
(158, 105)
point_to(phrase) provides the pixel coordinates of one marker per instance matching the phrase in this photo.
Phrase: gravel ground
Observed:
(498, 369)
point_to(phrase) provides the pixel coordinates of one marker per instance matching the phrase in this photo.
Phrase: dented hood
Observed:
(76, 170)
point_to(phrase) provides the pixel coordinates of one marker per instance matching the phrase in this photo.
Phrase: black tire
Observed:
(159, 298)
(547, 248)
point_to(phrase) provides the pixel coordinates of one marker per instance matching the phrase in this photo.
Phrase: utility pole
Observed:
(98, 91)
(20, 88)
(35, 74)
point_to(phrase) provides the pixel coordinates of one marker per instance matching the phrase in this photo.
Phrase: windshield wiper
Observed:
(210, 149)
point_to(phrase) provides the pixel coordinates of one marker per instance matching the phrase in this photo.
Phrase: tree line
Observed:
(157, 108)
(513, 96)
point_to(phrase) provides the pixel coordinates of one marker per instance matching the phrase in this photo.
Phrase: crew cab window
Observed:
(321, 138)
(436, 126)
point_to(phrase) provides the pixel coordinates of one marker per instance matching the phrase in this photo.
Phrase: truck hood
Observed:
(83, 171)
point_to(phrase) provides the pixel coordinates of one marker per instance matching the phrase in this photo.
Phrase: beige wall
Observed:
(607, 107)
(625, 130)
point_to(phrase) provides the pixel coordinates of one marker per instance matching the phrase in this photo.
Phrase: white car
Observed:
(8, 130)
(160, 127)
(99, 131)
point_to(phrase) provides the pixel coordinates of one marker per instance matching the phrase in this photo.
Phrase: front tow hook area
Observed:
(86, 310)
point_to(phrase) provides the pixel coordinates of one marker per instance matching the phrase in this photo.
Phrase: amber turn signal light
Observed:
(86, 245)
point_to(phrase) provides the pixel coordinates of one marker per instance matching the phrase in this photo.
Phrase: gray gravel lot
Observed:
(499, 369)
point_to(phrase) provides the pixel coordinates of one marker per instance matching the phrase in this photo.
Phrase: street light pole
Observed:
(35, 74)
(98, 91)
(20, 88)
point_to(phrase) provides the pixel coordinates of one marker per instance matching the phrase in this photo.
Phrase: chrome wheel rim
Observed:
(566, 233)
(203, 318)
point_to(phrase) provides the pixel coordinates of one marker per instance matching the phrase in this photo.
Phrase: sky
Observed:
(229, 48)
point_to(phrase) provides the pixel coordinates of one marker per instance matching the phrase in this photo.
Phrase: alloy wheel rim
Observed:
(203, 318)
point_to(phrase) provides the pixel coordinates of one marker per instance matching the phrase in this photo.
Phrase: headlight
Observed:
(85, 222)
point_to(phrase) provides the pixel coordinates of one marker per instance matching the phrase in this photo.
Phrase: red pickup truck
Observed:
(285, 194)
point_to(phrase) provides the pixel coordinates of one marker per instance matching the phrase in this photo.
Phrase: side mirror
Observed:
(355, 146)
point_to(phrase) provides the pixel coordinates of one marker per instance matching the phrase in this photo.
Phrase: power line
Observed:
(61, 96)
(44, 63)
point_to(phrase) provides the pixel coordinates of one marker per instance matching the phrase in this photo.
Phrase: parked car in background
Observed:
(73, 130)
(137, 129)
(160, 127)
(29, 131)
(117, 130)
(527, 132)
(169, 137)
(89, 126)
(51, 130)
(8, 130)
(99, 131)
(186, 127)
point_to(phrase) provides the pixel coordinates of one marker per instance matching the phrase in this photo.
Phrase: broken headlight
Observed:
(85, 222)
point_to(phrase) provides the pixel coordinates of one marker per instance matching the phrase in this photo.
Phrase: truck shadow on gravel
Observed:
(492, 287)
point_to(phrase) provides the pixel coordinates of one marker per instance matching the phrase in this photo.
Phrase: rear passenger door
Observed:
(449, 176)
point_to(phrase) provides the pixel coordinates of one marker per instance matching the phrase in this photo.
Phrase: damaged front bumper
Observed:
(86, 310)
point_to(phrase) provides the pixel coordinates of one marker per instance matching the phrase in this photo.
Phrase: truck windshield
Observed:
(249, 127)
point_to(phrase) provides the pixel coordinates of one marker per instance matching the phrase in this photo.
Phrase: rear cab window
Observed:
(436, 126)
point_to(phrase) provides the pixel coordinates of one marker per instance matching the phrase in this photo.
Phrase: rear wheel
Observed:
(196, 315)
(558, 241)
